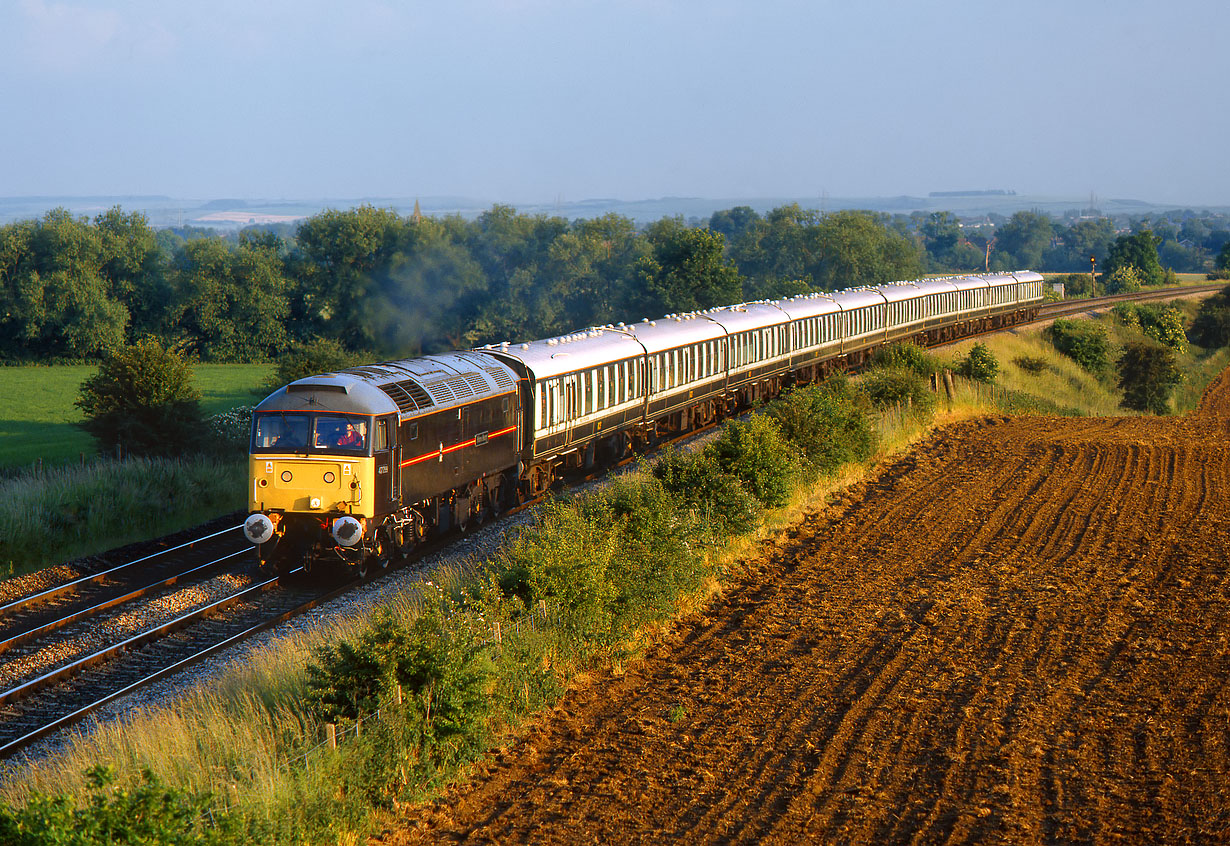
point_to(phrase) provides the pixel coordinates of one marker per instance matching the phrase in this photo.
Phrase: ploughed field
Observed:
(1018, 632)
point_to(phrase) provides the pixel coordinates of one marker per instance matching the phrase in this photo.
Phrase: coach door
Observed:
(571, 388)
(388, 480)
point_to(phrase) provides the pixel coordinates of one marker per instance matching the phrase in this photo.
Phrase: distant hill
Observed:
(235, 213)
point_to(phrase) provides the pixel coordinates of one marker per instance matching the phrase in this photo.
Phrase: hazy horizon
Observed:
(540, 102)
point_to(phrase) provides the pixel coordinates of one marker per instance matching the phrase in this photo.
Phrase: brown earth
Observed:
(1018, 632)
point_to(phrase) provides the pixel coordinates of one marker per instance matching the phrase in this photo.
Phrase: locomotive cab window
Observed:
(286, 432)
(335, 432)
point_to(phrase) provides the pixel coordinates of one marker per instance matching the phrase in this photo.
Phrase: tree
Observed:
(686, 271)
(734, 223)
(941, 234)
(856, 248)
(133, 265)
(1138, 251)
(339, 254)
(230, 304)
(1223, 258)
(142, 400)
(310, 358)
(1211, 328)
(1148, 373)
(1083, 240)
(1022, 241)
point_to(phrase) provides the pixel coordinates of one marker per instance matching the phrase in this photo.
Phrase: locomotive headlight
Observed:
(258, 528)
(347, 531)
(314, 502)
(286, 476)
(330, 478)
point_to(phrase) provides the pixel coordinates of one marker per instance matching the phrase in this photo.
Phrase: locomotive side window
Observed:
(382, 434)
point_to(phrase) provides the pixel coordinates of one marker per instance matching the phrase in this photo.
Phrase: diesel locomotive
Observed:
(358, 466)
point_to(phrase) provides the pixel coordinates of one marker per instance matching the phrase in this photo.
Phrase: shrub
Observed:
(827, 422)
(755, 452)
(717, 499)
(142, 400)
(1163, 323)
(1211, 328)
(229, 431)
(311, 358)
(907, 357)
(1125, 279)
(1083, 341)
(436, 658)
(1033, 365)
(894, 386)
(148, 813)
(980, 364)
(1148, 374)
(657, 559)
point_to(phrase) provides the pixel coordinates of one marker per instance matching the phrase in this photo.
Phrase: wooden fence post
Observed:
(331, 733)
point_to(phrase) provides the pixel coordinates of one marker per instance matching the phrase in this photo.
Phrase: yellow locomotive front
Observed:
(312, 474)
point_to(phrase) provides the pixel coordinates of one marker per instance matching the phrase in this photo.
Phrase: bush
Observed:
(1124, 280)
(980, 364)
(720, 504)
(1163, 323)
(311, 358)
(756, 453)
(436, 658)
(148, 813)
(1083, 341)
(1211, 328)
(229, 432)
(827, 422)
(907, 357)
(893, 386)
(1148, 373)
(142, 400)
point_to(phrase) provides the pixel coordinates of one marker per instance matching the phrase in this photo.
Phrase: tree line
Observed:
(368, 280)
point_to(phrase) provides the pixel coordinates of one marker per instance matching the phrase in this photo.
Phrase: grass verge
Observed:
(66, 512)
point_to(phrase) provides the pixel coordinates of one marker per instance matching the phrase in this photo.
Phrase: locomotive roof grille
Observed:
(408, 394)
(501, 377)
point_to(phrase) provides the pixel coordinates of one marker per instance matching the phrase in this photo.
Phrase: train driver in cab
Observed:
(340, 433)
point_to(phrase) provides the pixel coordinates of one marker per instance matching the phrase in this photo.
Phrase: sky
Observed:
(563, 100)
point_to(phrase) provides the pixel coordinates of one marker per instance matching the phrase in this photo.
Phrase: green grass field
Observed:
(37, 415)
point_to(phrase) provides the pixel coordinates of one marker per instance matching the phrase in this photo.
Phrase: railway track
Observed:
(1050, 311)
